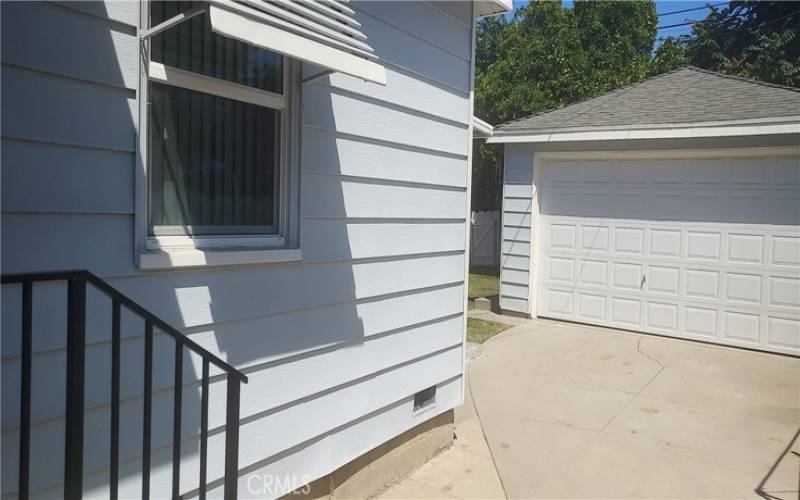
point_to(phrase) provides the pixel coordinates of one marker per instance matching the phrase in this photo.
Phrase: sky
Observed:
(663, 6)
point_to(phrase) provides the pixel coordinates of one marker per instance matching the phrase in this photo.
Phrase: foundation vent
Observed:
(424, 399)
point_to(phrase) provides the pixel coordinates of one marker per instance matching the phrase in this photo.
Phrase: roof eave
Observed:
(492, 7)
(784, 125)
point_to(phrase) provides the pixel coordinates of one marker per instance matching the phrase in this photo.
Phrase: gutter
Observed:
(784, 125)
(481, 129)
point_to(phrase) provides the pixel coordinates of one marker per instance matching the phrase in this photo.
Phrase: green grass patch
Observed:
(483, 285)
(480, 330)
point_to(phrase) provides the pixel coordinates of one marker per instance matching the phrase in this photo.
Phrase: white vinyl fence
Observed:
(485, 239)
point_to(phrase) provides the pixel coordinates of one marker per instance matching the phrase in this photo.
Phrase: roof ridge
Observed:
(740, 78)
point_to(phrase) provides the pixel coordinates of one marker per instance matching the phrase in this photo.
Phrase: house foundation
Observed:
(385, 465)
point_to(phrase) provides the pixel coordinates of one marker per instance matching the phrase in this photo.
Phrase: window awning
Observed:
(320, 32)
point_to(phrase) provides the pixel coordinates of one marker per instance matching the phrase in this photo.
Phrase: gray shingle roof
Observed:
(683, 96)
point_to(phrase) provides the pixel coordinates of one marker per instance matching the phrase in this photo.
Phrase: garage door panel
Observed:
(688, 248)
(700, 321)
(743, 288)
(627, 275)
(562, 236)
(745, 248)
(626, 312)
(702, 284)
(665, 243)
(594, 238)
(561, 269)
(662, 316)
(629, 240)
(784, 292)
(741, 326)
(664, 279)
(591, 306)
(786, 251)
(783, 332)
(593, 273)
(703, 245)
(558, 302)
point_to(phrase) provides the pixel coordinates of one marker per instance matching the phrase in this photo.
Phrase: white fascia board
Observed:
(250, 31)
(492, 7)
(720, 130)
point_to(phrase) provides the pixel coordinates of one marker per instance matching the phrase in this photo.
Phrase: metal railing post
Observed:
(232, 439)
(25, 390)
(76, 359)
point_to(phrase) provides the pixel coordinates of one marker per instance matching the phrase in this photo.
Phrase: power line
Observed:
(691, 10)
(676, 25)
(790, 14)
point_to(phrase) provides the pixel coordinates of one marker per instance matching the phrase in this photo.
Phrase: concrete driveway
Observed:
(573, 411)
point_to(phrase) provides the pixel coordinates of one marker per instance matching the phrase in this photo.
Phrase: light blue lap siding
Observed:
(515, 261)
(377, 302)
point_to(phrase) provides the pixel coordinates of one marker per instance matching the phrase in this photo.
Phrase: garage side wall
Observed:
(515, 261)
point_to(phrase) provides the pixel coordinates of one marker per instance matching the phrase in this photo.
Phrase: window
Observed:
(216, 146)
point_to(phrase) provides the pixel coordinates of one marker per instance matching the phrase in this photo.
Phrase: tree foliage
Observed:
(753, 39)
(548, 56)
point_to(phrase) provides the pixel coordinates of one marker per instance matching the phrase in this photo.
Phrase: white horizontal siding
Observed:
(338, 239)
(515, 277)
(516, 248)
(519, 205)
(362, 157)
(517, 219)
(514, 304)
(375, 305)
(515, 262)
(352, 440)
(332, 196)
(423, 22)
(397, 47)
(50, 178)
(514, 291)
(80, 40)
(268, 388)
(346, 240)
(261, 437)
(71, 110)
(286, 337)
(121, 11)
(101, 243)
(517, 190)
(517, 233)
(408, 91)
(458, 10)
(206, 297)
(349, 115)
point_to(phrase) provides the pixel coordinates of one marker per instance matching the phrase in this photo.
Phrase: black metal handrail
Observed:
(74, 415)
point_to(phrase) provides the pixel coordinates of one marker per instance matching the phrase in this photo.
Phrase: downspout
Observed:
(468, 204)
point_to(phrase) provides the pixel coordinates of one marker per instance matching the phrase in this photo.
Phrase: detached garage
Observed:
(671, 206)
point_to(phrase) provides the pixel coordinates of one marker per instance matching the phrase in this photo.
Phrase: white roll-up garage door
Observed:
(707, 249)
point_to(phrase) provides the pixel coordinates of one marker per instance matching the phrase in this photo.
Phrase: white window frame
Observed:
(288, 194)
